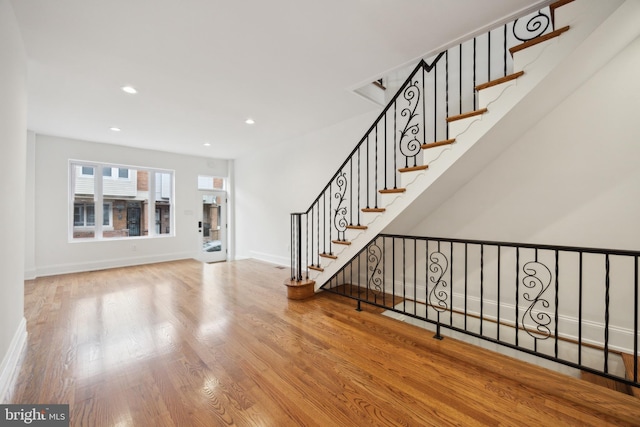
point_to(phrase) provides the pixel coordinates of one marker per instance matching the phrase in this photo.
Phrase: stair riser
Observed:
(489, 95)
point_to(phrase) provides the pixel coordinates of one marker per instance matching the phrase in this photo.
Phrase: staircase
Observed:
(418, 152)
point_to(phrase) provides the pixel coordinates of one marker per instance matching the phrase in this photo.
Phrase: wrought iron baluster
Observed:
(424, 112)
(635, 325)
(404, 282)
(489, 56)
(385, 152)
(426, 276)
(606, 314)
(306, 261)
(537, 279)
(557, 303)
(359, 185)
(351, 191)
(329, 221)
(340, 212)
(505, 50)
(367, 168)
(517, 293)
(466, 276)
(438, 296)
(415, 278)
(451, 283)
(374, 281)
(474, 72)
(535, 27)
(395, 144)
(409, 145)
(435, 105)
(499, 301)
(580, 311)
(375, 190)
(446, 78)
(481, 287)
(460, 78)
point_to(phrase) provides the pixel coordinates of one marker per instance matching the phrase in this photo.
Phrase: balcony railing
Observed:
(574, 306)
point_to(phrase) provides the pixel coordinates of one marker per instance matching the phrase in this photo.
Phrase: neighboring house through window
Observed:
(136, 201)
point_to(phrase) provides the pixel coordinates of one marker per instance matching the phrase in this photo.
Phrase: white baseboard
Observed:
(274, 259)
(111, 263)
(9, 366)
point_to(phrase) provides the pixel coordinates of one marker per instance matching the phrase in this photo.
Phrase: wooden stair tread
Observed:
(357, 227)
(331, 256)
(501, 80)
(466, 115)
(392, 190)
(316, 268)
(413, 168)
(373, 209)
(628, 366)
(538, 40)
(556, 5)
(379, 85)
(341, 242)
(438, 143)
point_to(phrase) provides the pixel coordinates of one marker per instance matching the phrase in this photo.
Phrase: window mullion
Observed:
(98, 200)
(151, 211)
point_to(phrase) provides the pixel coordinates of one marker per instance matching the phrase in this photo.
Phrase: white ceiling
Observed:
(203, 66)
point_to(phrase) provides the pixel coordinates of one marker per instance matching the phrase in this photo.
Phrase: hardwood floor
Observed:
(191, 344)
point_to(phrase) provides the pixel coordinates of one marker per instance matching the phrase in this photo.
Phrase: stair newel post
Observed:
(296, 246)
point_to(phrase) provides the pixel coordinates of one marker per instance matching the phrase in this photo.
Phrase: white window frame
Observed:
(85, 226)
(75, 170)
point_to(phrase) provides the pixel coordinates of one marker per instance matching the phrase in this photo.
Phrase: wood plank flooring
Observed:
(191, 344)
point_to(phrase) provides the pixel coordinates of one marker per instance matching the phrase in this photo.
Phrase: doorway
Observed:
(212, 226)
(133, 219)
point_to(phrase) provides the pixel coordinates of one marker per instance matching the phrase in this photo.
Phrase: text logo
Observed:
(34, 415)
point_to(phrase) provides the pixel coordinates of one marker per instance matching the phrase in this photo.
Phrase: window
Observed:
(210, 183)
(133, 205)
(84, 214)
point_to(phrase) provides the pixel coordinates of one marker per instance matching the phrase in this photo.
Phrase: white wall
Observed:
(287, 178)
(573, 179)
(54, 254)
(13, 142)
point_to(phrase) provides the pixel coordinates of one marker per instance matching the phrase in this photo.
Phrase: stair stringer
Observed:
(555, 69)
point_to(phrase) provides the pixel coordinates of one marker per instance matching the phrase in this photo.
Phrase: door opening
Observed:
(213, 227)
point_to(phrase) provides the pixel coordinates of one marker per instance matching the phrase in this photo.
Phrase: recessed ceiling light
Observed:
(115, 129)
(249, 121)
(129, 89)
(207, 144)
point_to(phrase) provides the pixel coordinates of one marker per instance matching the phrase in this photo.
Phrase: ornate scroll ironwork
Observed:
(438, 296)
(538, 279)
(535, 26)
(409, 144)
(374, 256)
(340, 213)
